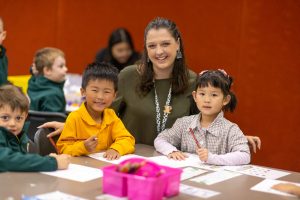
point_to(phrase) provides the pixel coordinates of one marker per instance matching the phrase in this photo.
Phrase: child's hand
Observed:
(287, 187)
(91, 143)
(177, 155)
(203, 154)
(62, 160)
(111, 154)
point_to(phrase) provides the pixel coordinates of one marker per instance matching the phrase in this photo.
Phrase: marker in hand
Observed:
(195, 139)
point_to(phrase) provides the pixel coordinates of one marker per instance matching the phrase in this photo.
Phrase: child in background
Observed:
(45, 89)
(13, 140)
(120, 50)
(3, 57)
(95, 127)
(215, 139)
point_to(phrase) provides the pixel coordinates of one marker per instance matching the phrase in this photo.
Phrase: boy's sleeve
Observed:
(67, 143)
(123, 140)
(16, 161)
(170, 139)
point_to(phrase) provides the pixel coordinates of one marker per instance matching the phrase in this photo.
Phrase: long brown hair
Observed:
(180, 73)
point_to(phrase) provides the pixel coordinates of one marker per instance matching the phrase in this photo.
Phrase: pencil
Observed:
(195, 139)
(73, 139)
(53, 144)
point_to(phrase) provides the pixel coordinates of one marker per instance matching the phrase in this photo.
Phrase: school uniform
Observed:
(3, 65)
(14, 156)
(224, 140)
(46, 95)
(111, 133)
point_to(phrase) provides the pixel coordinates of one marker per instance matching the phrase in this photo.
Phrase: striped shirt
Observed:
(224, 140)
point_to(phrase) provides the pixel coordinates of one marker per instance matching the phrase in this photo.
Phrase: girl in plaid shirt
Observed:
(215, 139)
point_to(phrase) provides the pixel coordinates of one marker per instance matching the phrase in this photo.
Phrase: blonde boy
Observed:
(45, 89)
(95, 127)
(13, 140)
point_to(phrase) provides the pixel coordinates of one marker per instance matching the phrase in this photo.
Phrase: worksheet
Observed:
(77, 173)
(215, 177)
(189, 172)
(253, 170)
(99, 156)
(191, 160)
(266, 186)
(197, 192)
(57, 195)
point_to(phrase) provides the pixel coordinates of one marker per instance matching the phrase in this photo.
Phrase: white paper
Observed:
(215, 177)
(266, 186)
(77, 173)
(191, 160)
(57, 195)
(198, 192)
(257, 171)
(110, 197)
(189, 172)
(99, 156)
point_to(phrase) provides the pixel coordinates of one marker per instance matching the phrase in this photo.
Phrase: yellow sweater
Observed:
(111, 133)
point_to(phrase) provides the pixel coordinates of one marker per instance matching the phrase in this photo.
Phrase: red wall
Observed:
(257, 42)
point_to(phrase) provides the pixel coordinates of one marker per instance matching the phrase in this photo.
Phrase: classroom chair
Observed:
(37, 118)
(44, 145)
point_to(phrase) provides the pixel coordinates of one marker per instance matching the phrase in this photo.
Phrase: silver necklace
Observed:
(160, 126)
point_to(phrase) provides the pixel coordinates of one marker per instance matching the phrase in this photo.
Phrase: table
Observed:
(14, 184)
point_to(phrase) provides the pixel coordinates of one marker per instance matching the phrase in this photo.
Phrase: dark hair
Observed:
(117, 36)
(180, 73)
(13, 97)
(100, 70)
(218, 79)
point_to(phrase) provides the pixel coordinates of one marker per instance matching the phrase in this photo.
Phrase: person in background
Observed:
(45, 88)
(216, 140)
(120, 50)
(14, 154)
(3, 57)
(95, 127)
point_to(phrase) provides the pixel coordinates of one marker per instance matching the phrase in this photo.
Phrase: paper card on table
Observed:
(257, 171)
(189, 172)
(266, 186)
(110, 197)
(215, 177)
(99, 156)
(57, 195)
(77, 173)
(198, 192)
(191, 160)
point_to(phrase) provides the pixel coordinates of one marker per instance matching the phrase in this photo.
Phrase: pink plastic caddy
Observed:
(138, 187)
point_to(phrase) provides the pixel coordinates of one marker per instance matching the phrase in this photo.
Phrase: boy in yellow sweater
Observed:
(94, 126)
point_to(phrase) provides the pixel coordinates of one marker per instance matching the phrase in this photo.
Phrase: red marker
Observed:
(195, 139)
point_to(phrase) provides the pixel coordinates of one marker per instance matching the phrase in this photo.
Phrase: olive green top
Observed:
(139, 115)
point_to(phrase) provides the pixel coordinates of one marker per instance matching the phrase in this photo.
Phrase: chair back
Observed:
(45, 145)
(37, 118)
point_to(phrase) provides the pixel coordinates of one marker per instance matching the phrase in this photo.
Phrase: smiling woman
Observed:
(162, 80)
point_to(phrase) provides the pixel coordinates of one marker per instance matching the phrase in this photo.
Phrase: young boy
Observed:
(3, 57)
(13, 140)
(46, 88)
(95, 127)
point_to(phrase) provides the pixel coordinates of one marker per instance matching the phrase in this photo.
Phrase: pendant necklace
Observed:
(160, 126)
